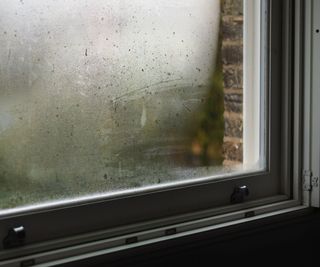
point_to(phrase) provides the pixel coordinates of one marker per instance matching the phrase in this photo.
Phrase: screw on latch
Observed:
(239, 193)
(15, 238)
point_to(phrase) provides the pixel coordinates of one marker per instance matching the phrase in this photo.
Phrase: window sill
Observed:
(105, 247)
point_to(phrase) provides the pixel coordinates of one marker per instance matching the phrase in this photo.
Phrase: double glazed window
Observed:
(101, 97)
(123, 116)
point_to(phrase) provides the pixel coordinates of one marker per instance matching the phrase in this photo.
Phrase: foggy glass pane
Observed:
(105, 95)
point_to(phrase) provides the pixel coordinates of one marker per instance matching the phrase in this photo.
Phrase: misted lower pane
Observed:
(107, 95)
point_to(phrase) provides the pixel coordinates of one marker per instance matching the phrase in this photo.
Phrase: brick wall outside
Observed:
(232, 66)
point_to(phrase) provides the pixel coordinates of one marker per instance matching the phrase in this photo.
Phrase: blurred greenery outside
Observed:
(207, 146)
(204, 150)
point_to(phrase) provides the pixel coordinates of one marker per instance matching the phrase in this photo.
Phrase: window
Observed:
(127, 100)
(120, 117)
(134, 96)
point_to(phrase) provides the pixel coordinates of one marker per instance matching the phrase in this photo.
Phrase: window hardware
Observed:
(250, 214)
(171, 231)
(307, 174)
(239, 193)
(309, 181)
(131, 240)
(27, 263)
(314, 182)
(15, 238)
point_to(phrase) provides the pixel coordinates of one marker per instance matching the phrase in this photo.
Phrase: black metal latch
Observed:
(15, 238)
(239, 193)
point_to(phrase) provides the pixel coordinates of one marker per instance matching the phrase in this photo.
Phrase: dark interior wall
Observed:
(294, 241)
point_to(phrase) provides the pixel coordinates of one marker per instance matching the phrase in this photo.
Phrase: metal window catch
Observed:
(239, 193)
(15, 238)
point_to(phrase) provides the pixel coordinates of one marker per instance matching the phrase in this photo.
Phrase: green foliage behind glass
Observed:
(207, 145)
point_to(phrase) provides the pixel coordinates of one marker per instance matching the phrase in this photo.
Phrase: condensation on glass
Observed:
(105, 95)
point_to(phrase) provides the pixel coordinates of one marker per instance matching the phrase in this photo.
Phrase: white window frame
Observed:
(251, 81)
(54, 240)
(311, 152)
